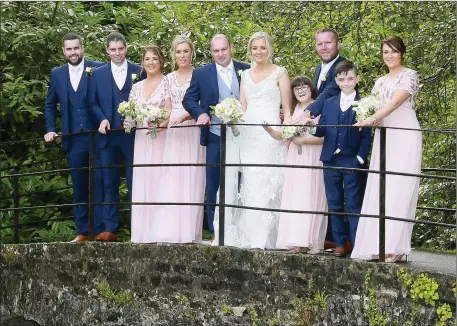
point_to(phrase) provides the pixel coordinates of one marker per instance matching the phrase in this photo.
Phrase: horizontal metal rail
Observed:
(277, 210)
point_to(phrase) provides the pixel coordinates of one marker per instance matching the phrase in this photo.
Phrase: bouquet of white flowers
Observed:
(366, 107)
(149, 114)
(288, 132)
(229, 111)
(128, 110)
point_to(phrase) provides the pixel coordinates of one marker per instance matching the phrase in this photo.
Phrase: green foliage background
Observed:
(31, 46)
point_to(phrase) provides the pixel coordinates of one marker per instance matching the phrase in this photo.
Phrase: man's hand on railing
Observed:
(104, 126)
(203, 119)
(50, 137)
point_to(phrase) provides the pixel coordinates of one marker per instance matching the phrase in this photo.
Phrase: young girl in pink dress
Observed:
(183, 184)
(303, 188)
(397, 91)
(152, 90)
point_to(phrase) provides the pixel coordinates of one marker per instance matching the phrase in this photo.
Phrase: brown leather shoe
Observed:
(109, 237)
(329, 245)
(100, 236)
(340, 251)
(80, 238)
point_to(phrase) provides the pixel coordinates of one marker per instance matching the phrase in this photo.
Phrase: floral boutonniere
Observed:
(89, 70)
(134, 77)
(323, 78)
(239, 72)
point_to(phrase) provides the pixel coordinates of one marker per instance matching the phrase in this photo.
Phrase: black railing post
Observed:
(91, 183)
(16, 204)
(222, 185)
(382, 195)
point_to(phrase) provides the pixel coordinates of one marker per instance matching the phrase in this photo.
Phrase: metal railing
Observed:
(382, 217)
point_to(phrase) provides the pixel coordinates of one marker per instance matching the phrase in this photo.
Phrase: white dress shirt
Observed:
(76, 73)
(226, 73)
(119, 73)
(325, 67)
(346, 101)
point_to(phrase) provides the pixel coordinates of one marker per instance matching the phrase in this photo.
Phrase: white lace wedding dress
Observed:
(260, 186)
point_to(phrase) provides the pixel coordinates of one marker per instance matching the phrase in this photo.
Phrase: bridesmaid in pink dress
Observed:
(397, 91)
(303, 188)
(152, 90)
(184, 184)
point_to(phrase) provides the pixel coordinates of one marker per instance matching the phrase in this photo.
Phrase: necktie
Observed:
(345, 103)
(120, 77)
(226, 76)
(74, 77)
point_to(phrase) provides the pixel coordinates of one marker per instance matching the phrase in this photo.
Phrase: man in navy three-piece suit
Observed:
(111, 84)
(210, 85)
(69, 87)
(343, 147)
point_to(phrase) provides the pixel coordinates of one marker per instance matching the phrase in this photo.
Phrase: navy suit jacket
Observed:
(58, 93)
(358, 141)
(203, 92)
(327, 89)
(101, 93)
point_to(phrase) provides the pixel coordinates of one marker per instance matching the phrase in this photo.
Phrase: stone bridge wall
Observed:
(127, 284)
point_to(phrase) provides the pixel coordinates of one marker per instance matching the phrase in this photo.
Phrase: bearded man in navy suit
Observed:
(328, 49)
(112, 83)
(69, 86)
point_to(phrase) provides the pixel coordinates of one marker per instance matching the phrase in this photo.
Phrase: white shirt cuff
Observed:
(360, 159)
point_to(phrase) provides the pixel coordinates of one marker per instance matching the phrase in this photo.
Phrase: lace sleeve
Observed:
(376, 86)
(167, 87)
(409, 82)
(135, 91)
(280, 72)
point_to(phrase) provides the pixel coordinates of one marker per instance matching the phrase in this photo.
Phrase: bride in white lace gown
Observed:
(264, 87)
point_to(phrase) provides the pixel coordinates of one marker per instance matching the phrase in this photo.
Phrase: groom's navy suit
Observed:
(116, 146)
(342, 188)
(75, 118)
(207, 89)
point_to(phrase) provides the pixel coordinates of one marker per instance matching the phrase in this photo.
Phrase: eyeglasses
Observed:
(303, 88)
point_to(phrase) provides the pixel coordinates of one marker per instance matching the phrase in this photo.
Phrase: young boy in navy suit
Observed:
(345, 147)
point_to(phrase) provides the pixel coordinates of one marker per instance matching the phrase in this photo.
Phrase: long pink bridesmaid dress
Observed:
(403, 154)
(184, 184)
(145, 179)
(303, 190)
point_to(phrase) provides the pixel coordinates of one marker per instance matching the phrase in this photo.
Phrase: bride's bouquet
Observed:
(229, 111)
(366, 107)
(151, 115)
(289, 132)
(127, 109)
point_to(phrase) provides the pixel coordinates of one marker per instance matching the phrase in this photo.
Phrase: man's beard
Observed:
(330, 60)
(75, 63)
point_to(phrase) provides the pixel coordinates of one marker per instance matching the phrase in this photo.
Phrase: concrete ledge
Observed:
(130, 284)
